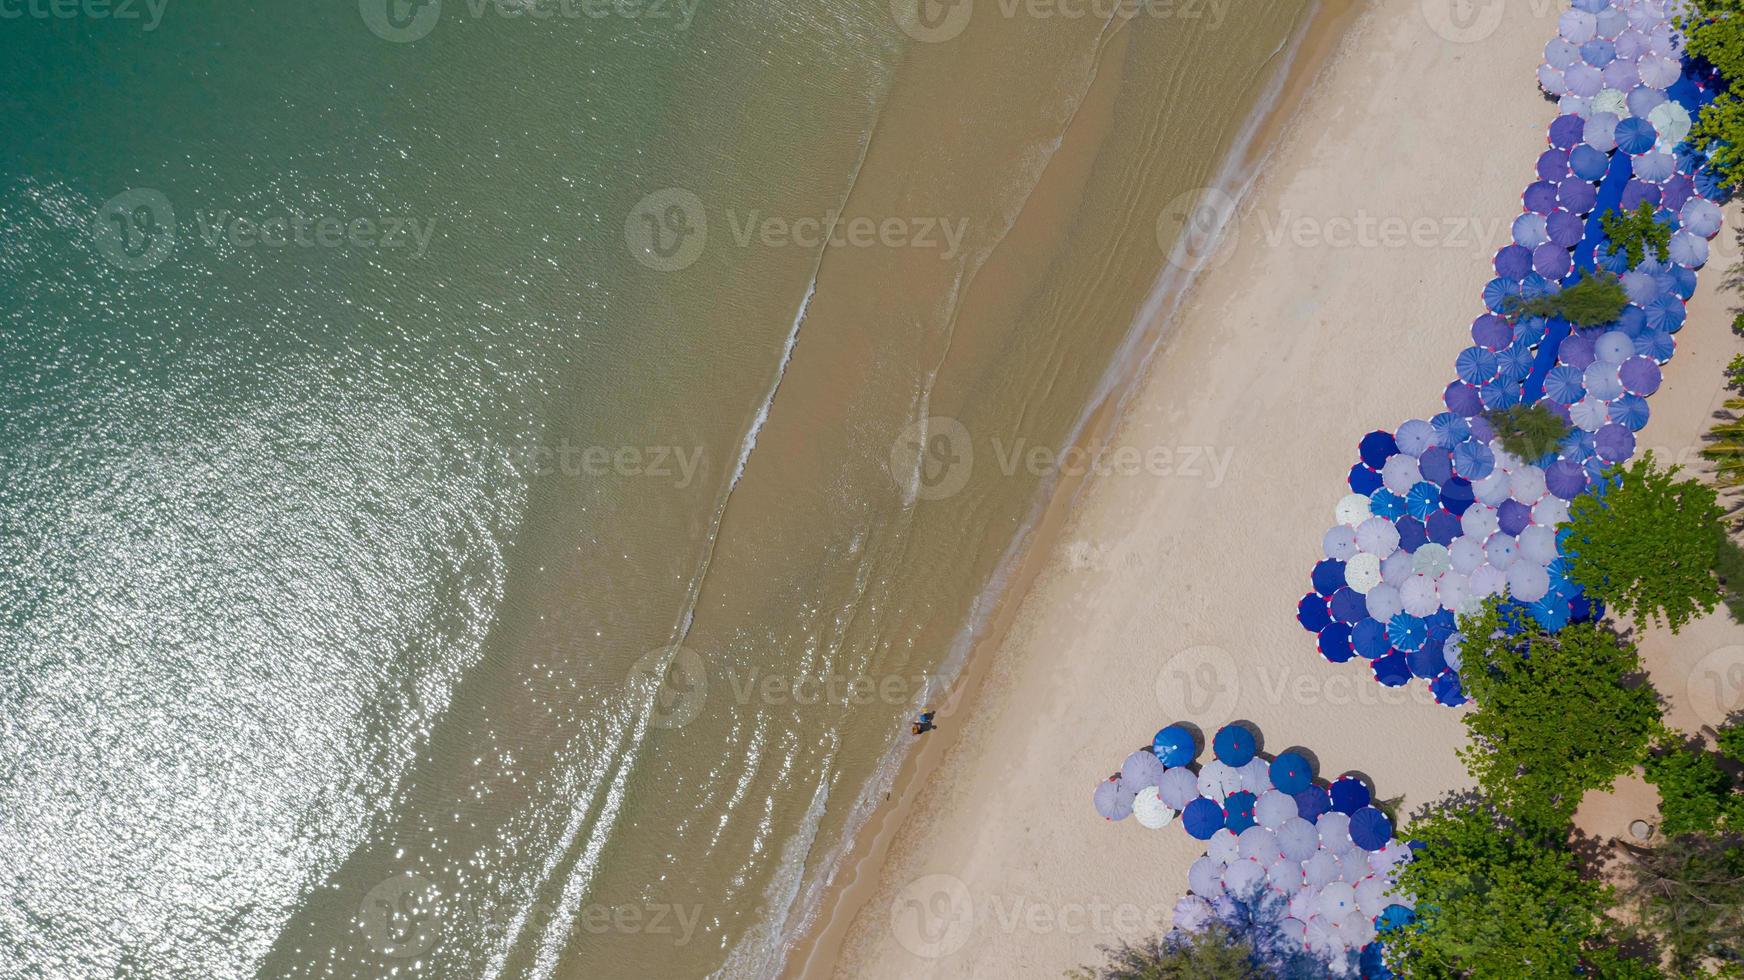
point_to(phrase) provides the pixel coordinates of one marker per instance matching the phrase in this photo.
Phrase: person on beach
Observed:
(923, 724)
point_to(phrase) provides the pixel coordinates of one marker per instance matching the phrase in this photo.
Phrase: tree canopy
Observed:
(1646, 543)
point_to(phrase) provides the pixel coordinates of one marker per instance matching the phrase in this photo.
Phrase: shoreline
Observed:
(816, 949)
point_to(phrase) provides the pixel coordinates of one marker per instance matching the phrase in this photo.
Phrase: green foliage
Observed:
(1715, 31)
(1528, 431)
(1635, 231)
(1738, 324)
(1693, 792)
(1556, 715)
(1735, 373)
(1215, 954)
(1731, 742)
(1492, 901)
(1688, 896)
(1596, 299)
(1725, 448)
(1729, 566)
(1649, 544)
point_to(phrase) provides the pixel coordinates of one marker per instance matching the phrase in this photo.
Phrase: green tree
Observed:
(1595, 299)
(1688, 895)
(1555, 715)
(1215, 954)
(1646, 543)
(1694, 793)
(1493, 900)
(1636, 231)
(1528, 430)
(1715, 30)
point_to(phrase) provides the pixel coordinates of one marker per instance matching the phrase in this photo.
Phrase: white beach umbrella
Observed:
(1431, 559)
(1400, 473)
(1610, 100)
(1339, 543)
(1274, 808)
(1665, 40)
(1450, 652)
(1383, 861)
(1285, 875)
(1526, 485)
(1466, 553)
(1192, 913)
(1550, 512)
(1419, 597)
(1656, 71)
(1689, 250)
(1578, 26)
(1259, 844)
(1414, 436)
(1671, 121)
(1352, 510)
(1583, 80)
(1378, 536)
(1501, 550)
(1224, 847)
(1298, 839)
(1354, 864)
(1656, 166)
(1600, 132)
(1217, 780)
(1631, 45)
(1492, 489)
(1572, 105)
(1205, 877)
(1383, 602)
(1644, 99)
(1614, 347)
(1362, 572)
(1149, 809)
(1611, 23)
(1256, 775)
(1485, 581)
(1450, 589)
(1528, 582)
(1505, 460)
(1293, 930)
(1334, 828)
(1538, 544)
(1304, 901)
(1479, 521)
(1589, 413)
(1396, 568)
(1243, 878)
(1337, 900)
(1701, 216)
(1322, 869)
(1178, 787)
(1620, 74)
(1559, 53)
(1602, 382)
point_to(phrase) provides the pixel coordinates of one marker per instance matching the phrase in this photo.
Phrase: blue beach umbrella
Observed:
(1576, 196)
(1587, 163)
(1436, 466)
(1174, 746)
(1473, 460)
(1630, 410)
(1447, 689)
(1407, 632)
(1442, 527)
(1500, 394)
(1515, 363)
(1427, 663)
(1456, 495)
(1564, 384)
(1291, 773)
(1665, 313)
(1565, 230)
(1635, 136)
(1567, 131)
(1202, 819)
(1423, 499)
(1369, 638)
(1476, 366)
(1513, 262)
(1376, 448)
(1393, 670)
(1462, 399)
(1349, 794)
(1539, 197)
(1312, 802)
(1385, 503)
(1492, 332)
(1370, 828)
(1657, 344)
(1334, 643)
(1411, 533)
(1238, 811)
(1312, 612)
(1328, 576)
(1348, 606)
(1234, 745)
(1552, 612)
(1363, 480)
(1394, 917)
(1110, 802)
(1498, 292)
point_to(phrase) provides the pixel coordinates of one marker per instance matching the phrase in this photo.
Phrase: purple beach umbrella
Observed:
(1640, 375)
(1566, 479)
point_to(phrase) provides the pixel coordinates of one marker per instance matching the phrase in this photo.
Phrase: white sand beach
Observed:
(1338, 309)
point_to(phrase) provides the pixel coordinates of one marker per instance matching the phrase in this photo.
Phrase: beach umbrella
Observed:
(1398, 474)
(1450, 589)
(1201, 819)
(1347, 606)
(1552, 260)
(1576, 196)
(1431, 560)
(1576, 351)
(1674, 194)
(1233, 745)
(1701, 216)
(1393, 670)
(1589, 413)
(1396, 567)
(1369, 637)
(1560, 53)
(1640, 376)
(1328, 576)
(1313, 613)
(1377, 535)
(1619, 75)
(1322, 869)
(1465, 554)
(1224, 847)
(1499, 394)
(1178, 787)
(1243, 878)
(1414, 436)
(1635, 193)
(1552, 511)
(1371, 895)
(1339, 543)
(1476, 365)
(1205, 877)
(1297, 839)
(1218, 780)
(1513, 262)
(1598, 52)
(1385, 504)
(1602, 381)
(1552, 164)
(1193, 913)
(1608, 99)
(1671, 121)
(1564, 230)
(1349, 794)
(1528, 582)
(1657, 344)
(1480, 521)
(1406, 632)
(1490, 332)
(1274, 808)
(1578, 26)
(1363, 572)
(1174, 747)
(1376, 447)
(1290, 773)
(1462, 399)
(1256, 775)
(1511, 517)
(1419, 598)
(1334, 643)
(1111, 803)
(1614, 443)
(1614, 347)
(1142, 768)
(1565, 479)
(1352, 509)
(1644, 99)
(1565, 131)
(1531, 231)
(1665, 313)
(1427, 662)
(1258, 844)
(1337, 899)
(1540, 196)
(1334, 829)
(1640, 286)
(1635, 135)
(1600, 133)
(1611, 20)
(1659, 73)
(1501, 550)
(1149, 809)
(1587, 163)
(1238, 811)
(1473, 460)
(1447, 690)
(1655, 167)
(1312, 802)
(1689, 251)
(1515, 363)
(1363, 480)
(1563, 384)
(1538, 544)
(1383, 602)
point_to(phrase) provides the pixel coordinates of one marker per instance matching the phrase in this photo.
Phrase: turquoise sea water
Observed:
(358, 483)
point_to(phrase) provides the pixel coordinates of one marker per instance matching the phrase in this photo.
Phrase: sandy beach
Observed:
(1337, 307)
